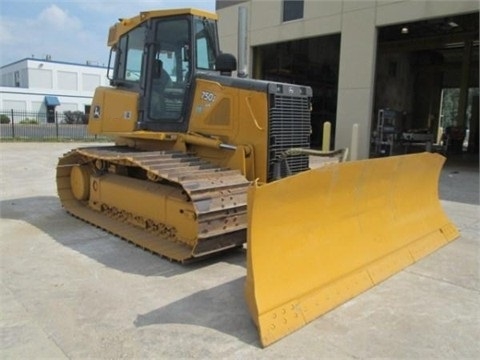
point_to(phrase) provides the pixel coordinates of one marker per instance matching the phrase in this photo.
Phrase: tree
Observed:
(4, 119)
(450, 106)
(75, 117)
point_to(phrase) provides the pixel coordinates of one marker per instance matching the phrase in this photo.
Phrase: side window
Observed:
(130, 54)
(202, 53)
(205, 52)
(134, 65)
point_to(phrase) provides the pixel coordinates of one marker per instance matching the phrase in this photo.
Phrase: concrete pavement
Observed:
(69, 290)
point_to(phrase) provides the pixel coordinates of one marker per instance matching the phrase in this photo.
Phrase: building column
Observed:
(356, 78)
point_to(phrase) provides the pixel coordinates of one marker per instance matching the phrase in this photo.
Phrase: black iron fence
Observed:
(23, 125)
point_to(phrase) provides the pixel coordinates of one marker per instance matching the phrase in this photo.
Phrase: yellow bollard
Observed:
(327, 126)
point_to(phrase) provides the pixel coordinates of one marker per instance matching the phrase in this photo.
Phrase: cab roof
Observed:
(126, 24)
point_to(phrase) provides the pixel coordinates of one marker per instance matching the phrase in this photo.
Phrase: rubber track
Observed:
(218, 194)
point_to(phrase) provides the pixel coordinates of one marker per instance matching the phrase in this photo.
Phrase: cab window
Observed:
(204, 41)
(130, 55)
(170, 72)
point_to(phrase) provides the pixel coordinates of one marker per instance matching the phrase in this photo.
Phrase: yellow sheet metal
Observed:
(321, 237)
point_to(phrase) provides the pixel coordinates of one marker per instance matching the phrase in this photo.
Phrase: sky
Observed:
(70, 30)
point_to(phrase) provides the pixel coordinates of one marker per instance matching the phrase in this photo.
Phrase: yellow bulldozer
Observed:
(204, 162)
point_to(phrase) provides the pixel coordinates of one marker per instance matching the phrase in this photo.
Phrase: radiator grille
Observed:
(289, 127)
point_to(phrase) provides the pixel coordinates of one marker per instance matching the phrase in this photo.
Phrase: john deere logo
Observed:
(96, 112)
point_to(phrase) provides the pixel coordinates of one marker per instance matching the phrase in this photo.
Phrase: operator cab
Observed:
(158, 59)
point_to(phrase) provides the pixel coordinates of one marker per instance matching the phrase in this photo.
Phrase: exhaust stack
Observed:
(242, 42)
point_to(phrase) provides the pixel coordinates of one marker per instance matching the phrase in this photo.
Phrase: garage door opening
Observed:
(426, 76)
(313, 62)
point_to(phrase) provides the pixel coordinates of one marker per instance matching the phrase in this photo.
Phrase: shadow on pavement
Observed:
(209, 308)
(46, 214)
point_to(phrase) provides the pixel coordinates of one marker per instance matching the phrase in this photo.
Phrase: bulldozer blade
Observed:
(321, 237)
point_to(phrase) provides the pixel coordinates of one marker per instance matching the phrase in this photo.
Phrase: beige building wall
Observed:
(357, 22)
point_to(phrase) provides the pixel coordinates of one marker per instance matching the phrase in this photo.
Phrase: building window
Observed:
(17, 78)
(292, 9)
